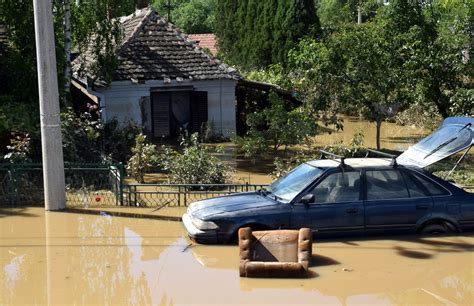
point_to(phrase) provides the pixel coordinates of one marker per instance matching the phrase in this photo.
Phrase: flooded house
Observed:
(163, 80)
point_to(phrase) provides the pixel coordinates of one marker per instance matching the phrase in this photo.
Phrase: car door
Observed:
(394, 200)
(336, 204)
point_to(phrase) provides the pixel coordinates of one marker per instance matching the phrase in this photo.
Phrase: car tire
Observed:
(436, 229)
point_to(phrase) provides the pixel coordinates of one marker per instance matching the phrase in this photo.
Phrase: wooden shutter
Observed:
(161, 114)
(198, 110)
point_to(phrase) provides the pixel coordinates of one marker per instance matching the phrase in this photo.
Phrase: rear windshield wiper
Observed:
(446, 142)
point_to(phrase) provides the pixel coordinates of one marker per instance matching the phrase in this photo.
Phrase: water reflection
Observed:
(85, 259)
(12, 270)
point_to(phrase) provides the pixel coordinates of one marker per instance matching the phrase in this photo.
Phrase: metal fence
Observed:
(160, 195)
(86, 184)
(102, 185)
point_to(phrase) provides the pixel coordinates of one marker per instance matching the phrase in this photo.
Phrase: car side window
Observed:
(432, 187)
(338, 187)
(385, 184)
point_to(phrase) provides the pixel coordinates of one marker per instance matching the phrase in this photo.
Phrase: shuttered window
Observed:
(161, 113)
(198, 110)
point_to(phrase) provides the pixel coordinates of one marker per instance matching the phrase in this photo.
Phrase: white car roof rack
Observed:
(335, 157)
(380, 153)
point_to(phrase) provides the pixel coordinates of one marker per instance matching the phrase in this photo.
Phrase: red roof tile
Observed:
(205, 41)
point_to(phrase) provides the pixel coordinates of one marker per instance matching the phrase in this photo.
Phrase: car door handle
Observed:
(352, 210)
(422, 206)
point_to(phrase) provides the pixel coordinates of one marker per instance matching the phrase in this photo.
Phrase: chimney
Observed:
(140, 4)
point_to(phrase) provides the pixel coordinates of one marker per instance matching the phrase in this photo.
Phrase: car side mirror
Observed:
(308, 198)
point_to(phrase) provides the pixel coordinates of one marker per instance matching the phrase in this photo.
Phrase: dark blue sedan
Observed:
(353, 195)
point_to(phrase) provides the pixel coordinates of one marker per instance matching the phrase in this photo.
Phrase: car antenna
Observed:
(335, 157)
(380, 153)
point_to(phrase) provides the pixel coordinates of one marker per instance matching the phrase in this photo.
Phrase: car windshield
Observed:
(290, 185)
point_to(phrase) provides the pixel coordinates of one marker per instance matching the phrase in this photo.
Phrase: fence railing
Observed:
(102, 185)
(160, 195)
(86, 184)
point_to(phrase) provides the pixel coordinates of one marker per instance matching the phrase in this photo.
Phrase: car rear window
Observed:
(432, 187)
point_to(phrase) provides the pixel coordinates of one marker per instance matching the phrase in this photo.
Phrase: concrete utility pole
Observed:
(51, 140)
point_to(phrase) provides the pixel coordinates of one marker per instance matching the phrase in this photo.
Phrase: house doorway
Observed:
(176, 111)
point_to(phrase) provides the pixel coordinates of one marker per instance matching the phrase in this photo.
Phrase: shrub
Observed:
(354, 149)
(144, 158)
(81, 137)
(19, 149)
(277, 126)
(195, 165)
(460, 177)
(118, 141)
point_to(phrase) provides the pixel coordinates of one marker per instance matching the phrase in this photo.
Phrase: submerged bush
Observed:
(81, 137)
(118, 140)
(283, 166)
(277, 125)
(195, 164)
(19, 149)
(144, 158)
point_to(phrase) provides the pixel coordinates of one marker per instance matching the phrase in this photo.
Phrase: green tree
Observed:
(191, 16)
(19, 88)
(444, 65)
(19, 92)
(255, 34)
(96, 28)
(377, 68)
(276, 126)
(334, 13)
(196, 16)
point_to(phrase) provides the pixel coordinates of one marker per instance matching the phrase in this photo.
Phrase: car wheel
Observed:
(436, 228)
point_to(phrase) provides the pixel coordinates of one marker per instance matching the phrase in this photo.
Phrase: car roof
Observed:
(352, 162)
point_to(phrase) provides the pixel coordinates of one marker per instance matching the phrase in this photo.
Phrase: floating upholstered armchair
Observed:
(277, 253)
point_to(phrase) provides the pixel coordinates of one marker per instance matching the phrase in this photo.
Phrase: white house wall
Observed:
(122, 101)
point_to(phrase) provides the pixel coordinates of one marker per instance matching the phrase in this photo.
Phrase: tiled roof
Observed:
(205, 41)
(153, 49)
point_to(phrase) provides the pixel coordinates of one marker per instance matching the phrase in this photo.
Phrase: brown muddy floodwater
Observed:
(65, 258)
(392, 136)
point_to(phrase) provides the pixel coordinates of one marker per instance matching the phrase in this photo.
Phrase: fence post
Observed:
(10, 186)
(129, 195)
(179, 195)
(121, 173)
(135, 201)
(185, 196)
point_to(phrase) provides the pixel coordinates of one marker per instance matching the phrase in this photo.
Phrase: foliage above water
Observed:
(144, 158)
(277, 126)
(195, 164)
(283, 166)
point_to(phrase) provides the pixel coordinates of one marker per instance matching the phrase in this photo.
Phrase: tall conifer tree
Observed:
(261, 32)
